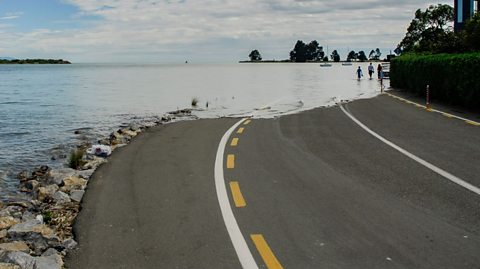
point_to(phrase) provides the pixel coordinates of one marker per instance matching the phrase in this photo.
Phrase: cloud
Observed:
(155, 30)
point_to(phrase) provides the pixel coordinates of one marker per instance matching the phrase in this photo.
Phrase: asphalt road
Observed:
(318, 189)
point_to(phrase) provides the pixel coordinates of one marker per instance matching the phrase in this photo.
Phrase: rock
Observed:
(53, 261)
(50, 252)
(8, 266)
(12, 211)
(41, 172)
(77, 195)
(27, 215)
(15, 246)
(22, 259)
(61, 198)
(57, 176)
(7, 222)
(104, 141)
(86, 174)
(32, 185)
(69, 244)
(23, 204)
(129, 133)
(3, 234)
(36, 234)
(23, 175)
(74, 183)
(135, 128)
(1, 205)
(48, 191)
(26, 261)
(29, 227)
(93, 164)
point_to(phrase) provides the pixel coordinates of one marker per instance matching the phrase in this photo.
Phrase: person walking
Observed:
(359, 73)
(371, 70)
(379, 71)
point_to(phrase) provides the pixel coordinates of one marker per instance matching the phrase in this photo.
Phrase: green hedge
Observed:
(453, 78)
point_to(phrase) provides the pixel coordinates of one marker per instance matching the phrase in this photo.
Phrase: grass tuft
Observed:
(75, 161)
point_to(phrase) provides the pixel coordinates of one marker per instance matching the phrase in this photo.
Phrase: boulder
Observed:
(94, 163)
(22, 259)
(74, 183)
(25, 229)
(26, 261)
(61, 198)
(57, 176)
(77, 195)
(69, 244)
(7, 222)
(36, 234)
(27, 215)
(22, 176)
(3, 234)
(48, 191)
(85, 174)
(8, 266)
(32, 185)
(15, 246)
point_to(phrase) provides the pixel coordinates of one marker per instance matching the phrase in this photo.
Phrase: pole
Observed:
(428, 97)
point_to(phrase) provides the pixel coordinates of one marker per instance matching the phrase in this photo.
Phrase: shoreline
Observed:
(37, 227)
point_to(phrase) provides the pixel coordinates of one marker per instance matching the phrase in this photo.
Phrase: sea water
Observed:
(42, 105)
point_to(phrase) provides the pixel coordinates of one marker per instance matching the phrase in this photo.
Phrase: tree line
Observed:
(314, 52)
(34, 61)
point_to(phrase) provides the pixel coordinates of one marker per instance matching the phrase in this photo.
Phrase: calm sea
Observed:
(42, 105)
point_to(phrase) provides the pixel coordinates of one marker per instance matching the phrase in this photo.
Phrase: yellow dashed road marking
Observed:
(230, 161)
(237, 194)
(240, 130)
(247, 122)
(234, 142)
(267, 255)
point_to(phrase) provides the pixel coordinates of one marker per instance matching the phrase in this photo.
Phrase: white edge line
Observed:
(433, 110)
(238, 241)
(430, 166)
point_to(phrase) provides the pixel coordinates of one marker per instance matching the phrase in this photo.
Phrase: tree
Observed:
(375, 54)
(335, 56)
(471, 33)
(378, 54)
(351, 56)
(430, 31)
(298, 54)
(303, 52)
(361, 56)
(255, 56)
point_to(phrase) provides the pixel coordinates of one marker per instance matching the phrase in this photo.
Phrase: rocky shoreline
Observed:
(37, 233)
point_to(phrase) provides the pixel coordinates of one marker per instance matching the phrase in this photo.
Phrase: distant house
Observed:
(464, 10)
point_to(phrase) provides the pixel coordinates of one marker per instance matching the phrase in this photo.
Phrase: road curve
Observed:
(310, 190)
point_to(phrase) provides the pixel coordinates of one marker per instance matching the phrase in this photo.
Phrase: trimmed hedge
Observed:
(453, 78)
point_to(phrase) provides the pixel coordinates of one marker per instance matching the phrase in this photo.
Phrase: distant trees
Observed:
(352, 56)
(361, 56)
(375, 54)
(255, 55)
(335, 56)
(34, 61)
(307, 52)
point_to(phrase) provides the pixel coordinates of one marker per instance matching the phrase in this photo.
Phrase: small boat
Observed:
(326, 65)
(346, 64)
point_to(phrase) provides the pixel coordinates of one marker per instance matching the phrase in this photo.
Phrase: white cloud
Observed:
(173, 30)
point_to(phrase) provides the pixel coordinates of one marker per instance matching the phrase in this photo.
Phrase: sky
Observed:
(219, 31)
